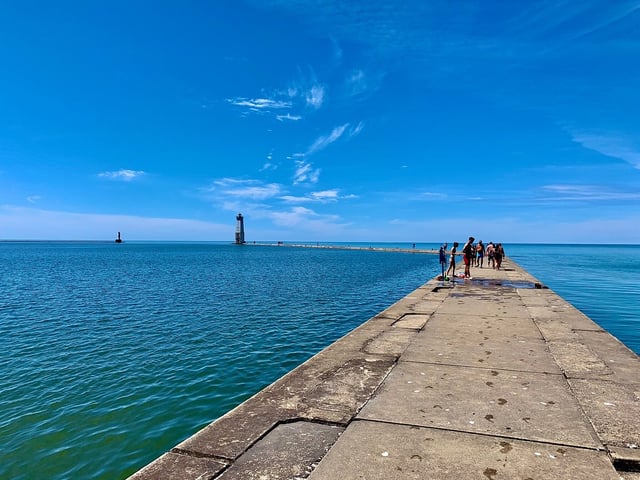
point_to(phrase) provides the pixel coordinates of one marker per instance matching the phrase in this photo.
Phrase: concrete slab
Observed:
(624, 363)
(625, 458)
(490, 303)
(591, 354)
(577, 360)
(533, 297)
(371, 450)
(414, 321)
(505, 403)
(173, 466)
(572, 318)
(482, 325)
(503, 343)
(629, 475)
(390, 342)
(612, 408)
(427, 307)
(330, 389)
(289, 451)
(555, 329)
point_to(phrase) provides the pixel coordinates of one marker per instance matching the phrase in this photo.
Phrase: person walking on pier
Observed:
(452, 260)
(469, 253)
(491, 255)
(499, 254)
(480, 257)
(443, 258)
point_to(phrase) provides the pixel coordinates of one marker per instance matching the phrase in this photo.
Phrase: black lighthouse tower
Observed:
(239, 229)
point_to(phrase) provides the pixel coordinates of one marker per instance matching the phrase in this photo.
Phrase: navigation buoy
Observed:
(118, 240)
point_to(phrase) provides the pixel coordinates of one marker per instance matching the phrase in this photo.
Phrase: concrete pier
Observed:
(489, 378)
(323, 246)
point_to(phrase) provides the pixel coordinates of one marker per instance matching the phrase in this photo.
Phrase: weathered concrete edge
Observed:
(599, 369)
(329, 388)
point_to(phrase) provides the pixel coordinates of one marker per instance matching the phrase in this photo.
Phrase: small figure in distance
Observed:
(443, 258)
(469, 254)
(491, 255)
(452, 260)
(499, 254)
(480, 258)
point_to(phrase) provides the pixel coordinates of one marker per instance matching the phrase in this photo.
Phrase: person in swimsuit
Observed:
(443, 258)
(499, 254)
(491, 255)
(452, 260)
(469, 253)
(480, 257)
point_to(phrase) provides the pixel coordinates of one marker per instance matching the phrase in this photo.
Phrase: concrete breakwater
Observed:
(371, 248)
(484, 378)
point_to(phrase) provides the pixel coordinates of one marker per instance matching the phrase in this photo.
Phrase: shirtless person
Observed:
(452, 260)
(469, 254)
(491, 255)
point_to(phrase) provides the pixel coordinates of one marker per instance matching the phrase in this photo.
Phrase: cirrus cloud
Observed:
(123, 175)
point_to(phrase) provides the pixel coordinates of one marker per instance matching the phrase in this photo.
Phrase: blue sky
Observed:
(373, 121)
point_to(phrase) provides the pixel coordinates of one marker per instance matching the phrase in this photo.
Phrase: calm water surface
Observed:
(112, 354)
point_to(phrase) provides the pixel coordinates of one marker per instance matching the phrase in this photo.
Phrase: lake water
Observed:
(112, 354)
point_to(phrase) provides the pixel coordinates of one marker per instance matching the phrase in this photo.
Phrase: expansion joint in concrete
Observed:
(484, 435)
(195, 454)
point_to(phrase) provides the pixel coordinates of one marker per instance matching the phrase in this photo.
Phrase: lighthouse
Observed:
(239, 229)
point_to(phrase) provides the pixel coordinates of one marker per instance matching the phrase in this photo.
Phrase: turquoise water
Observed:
(600, 280)
(112, 354)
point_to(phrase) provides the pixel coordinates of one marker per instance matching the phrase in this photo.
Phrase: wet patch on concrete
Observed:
(491, 283)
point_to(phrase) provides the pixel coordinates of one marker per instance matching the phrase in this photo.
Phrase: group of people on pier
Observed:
(473, 255)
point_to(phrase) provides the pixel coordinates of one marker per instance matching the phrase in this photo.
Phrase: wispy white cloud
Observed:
(288, 116)
(562, 192)
(315, 96)
(301, 215)
(567, 21)
(34, 198)
(296, 199)
(324, 196)
(324, 141)
(225, 188)
(303, 93)
(432, 196)
(356, 130)
(259, 103)
(305, 173)
(611, 145)
(268, 166)
(123, 175)
(358, 83)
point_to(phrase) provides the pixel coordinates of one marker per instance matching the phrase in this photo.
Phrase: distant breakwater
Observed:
(430, 251)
